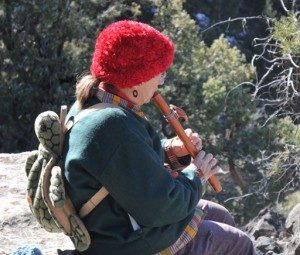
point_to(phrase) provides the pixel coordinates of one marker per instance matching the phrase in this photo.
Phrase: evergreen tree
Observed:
(44, 45)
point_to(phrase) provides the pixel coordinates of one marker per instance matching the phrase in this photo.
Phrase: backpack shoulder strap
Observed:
(93, 202)
(102, 192)
(71, 122)
(62, 119)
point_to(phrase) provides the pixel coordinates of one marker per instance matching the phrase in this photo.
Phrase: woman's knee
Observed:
(216, 212)
(239, 243)
(245, 244)
(218, 238)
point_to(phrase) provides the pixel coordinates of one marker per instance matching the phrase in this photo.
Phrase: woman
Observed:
(148, 210)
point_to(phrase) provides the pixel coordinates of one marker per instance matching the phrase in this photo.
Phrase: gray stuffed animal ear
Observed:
(47, 129)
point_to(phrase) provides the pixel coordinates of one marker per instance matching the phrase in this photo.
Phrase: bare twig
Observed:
(237, 86)
(243, 19)
(238, 197)
(284, 189)
(283, 6)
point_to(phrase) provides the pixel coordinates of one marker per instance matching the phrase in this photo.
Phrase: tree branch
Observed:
(243, 19)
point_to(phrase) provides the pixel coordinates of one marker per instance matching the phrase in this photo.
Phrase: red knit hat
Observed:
(128, 53)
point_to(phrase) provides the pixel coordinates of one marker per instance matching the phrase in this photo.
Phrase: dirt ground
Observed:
(17, 225)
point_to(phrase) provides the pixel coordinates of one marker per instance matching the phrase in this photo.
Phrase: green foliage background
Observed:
(46, 45)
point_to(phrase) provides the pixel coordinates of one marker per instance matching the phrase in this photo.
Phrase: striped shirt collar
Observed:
(107, 97)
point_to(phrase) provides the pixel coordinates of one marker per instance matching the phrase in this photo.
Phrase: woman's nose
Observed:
(161, 81)
(163, 77)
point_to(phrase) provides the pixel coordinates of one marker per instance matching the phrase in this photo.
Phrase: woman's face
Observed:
(147, 89)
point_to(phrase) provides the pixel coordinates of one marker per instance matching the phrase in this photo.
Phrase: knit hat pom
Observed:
(128, 53)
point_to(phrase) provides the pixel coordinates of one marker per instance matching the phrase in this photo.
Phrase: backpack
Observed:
(46, 193)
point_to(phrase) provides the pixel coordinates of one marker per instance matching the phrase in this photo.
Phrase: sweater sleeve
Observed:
(136, 179)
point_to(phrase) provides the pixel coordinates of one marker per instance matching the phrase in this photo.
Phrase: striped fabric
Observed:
(187, 235)
(106, 97)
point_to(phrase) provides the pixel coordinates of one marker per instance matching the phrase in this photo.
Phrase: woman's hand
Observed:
(178, 147)
(206, 165)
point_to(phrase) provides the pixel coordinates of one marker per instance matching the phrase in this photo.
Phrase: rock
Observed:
(263, 228)
(267, 223)
(293, 246)
(272, 234)
(27, 250)
(292, 224)
(268, 245)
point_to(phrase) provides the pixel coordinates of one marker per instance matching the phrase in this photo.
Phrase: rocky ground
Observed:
(271, 232)
(17, 225)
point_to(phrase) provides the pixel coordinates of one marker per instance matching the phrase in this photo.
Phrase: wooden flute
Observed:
(172, 116)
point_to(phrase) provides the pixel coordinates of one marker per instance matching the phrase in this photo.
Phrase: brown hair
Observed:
(86, 88)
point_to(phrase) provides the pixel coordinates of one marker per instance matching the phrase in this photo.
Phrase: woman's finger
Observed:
(195, 137)
(217, 170)
(188, 132)
(208, 158)
(213, 162)
(199, 146)
(201, 155)
(196, 140)
(210, 172)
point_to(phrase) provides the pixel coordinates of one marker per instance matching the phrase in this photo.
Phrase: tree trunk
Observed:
(236, 175)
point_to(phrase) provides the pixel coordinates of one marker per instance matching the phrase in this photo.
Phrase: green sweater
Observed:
(120, 150)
